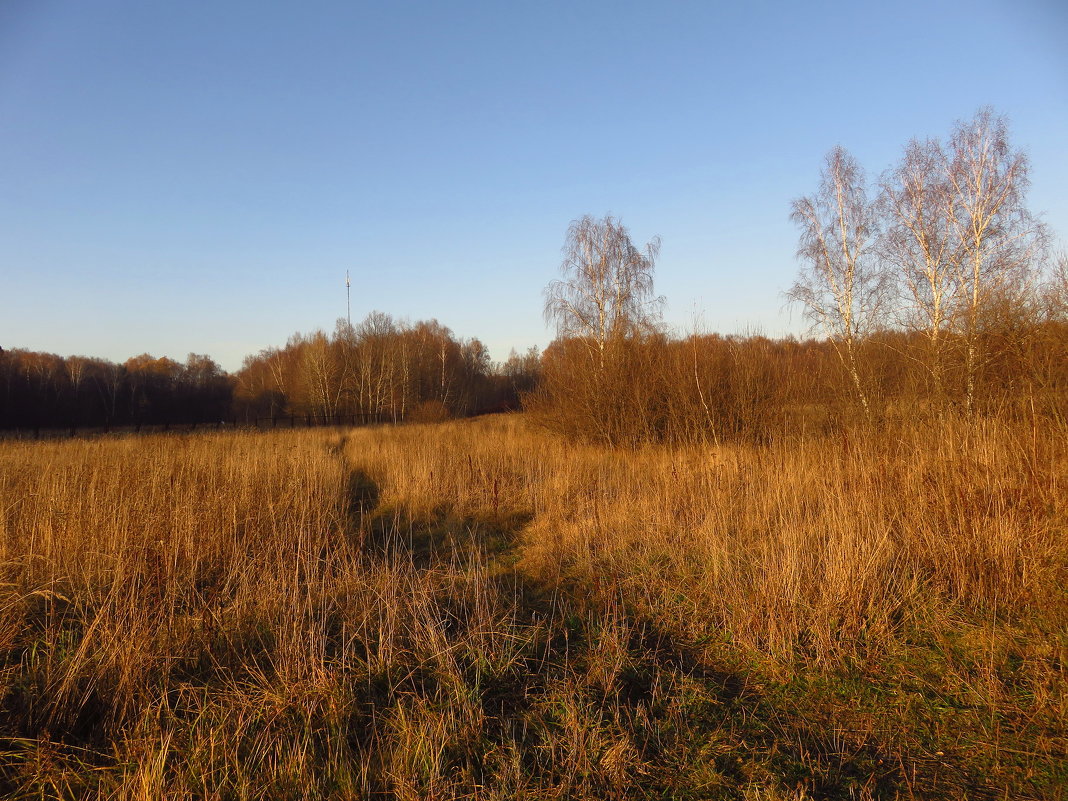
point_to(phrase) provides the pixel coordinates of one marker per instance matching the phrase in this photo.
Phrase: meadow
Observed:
(484, 609)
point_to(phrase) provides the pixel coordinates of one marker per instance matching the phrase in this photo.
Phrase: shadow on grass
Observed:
(492, 678)
(599, 702)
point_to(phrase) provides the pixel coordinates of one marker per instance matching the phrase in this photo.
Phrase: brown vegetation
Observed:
(43, 390)
(382, 368)
(481, 609)
(929, 292)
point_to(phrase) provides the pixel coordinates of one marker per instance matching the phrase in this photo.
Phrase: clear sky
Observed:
(198, 176)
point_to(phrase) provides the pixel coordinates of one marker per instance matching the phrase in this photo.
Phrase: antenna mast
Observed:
(348, 300)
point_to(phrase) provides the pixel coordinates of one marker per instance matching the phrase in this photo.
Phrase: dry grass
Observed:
(479, 609)
(802, 550)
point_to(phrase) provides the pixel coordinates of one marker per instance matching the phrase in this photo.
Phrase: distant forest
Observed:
(650, 387)
(380, 370)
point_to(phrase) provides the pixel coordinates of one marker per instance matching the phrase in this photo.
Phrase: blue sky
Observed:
(194, 176)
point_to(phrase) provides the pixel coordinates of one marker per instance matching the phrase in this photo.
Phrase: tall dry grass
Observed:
(928, 562)
(480, 609)
(146, 574)
(809, 549)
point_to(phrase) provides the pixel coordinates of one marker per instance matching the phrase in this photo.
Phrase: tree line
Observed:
(380, 370)
(384, 369)
(43, 390)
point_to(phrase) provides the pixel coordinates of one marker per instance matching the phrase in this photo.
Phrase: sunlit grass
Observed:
(481, 609)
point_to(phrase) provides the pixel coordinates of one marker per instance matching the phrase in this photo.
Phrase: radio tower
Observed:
(348, 300)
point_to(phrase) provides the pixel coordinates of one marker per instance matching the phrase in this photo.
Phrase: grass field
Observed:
(480, 609)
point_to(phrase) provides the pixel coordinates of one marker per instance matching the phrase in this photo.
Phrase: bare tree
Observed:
(603, 307)
(919, 208)
(322, 381)
(606, 292)
(840, 284)
(999, 239)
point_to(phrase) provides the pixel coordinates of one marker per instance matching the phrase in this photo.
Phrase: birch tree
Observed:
(606, 292)
(602, 306)
(999, 239)
(840, 284)
(920, 242)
